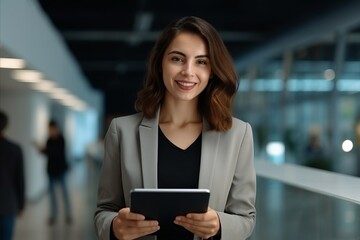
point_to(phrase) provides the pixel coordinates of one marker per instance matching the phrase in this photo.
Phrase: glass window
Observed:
(304, 105)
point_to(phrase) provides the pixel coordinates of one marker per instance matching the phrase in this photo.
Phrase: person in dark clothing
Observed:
(12, 186)
(56, 168)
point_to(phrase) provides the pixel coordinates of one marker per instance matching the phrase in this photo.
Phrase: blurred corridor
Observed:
(299, 89)
(82, 181)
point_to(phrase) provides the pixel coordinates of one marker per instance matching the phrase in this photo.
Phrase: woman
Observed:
(184, 136)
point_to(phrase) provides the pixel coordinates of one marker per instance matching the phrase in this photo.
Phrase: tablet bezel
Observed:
(155, 203)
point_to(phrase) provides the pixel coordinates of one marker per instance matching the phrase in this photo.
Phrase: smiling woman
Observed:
(223, 85)
(185, 68)
(184, 136)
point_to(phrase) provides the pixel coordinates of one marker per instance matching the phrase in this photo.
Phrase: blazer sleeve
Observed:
(238, 218)
(110, 191)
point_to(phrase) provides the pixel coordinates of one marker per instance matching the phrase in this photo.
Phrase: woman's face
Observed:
(186, 67)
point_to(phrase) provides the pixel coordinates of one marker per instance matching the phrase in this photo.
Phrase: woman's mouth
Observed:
(185, 85)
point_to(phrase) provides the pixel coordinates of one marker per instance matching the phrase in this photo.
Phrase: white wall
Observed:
(28, 113)
(27, 33)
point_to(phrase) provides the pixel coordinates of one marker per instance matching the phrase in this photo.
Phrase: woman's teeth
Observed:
(186, 84)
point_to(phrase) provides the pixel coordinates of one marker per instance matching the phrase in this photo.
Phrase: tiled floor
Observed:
(283, 212)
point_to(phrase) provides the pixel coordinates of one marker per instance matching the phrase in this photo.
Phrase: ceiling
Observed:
(111, 39)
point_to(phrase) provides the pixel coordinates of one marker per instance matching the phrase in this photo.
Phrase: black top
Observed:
(11, 178)
(55, 151)
(177, 168)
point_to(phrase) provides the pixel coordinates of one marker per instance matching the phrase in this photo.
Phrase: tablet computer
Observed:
(164, 205)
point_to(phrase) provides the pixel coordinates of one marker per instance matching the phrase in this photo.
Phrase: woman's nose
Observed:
(187, 70)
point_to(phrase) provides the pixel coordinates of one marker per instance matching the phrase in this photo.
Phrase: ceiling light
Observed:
(12, 63)
(74, 102)
(44, 86)
(27, 75)
(59, 93)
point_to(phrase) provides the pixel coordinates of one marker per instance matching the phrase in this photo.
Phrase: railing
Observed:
(295, 202)
(316, 180)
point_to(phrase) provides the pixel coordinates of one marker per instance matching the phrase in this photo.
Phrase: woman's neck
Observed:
(179, 112)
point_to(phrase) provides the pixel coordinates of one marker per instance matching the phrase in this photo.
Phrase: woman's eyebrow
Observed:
(177, 52)
(183, 54)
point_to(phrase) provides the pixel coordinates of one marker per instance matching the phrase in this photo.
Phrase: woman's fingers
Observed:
(125, 213)
(128, 225)
(204, 224)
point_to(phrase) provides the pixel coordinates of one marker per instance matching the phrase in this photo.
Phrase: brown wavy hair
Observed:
(215, 102)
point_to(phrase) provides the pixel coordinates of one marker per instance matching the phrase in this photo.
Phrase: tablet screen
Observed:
(164, 205)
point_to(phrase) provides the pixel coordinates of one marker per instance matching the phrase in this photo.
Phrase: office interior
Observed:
(300, 87)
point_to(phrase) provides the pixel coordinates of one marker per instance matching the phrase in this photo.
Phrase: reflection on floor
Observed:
(283, 212)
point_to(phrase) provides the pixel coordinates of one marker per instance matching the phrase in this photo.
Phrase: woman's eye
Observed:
(202, 62)
(177, 59)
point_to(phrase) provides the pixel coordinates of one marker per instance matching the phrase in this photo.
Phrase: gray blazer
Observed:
(226, 169)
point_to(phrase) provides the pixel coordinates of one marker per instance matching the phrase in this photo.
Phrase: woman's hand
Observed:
(204, 225)
(127, 225)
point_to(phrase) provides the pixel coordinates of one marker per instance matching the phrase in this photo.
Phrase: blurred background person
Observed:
(57, 167)
(12, 186)
(314, 149)
(315, 155)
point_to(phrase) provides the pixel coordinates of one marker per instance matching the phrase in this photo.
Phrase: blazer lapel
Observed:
(209, 149)
(148, 131)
